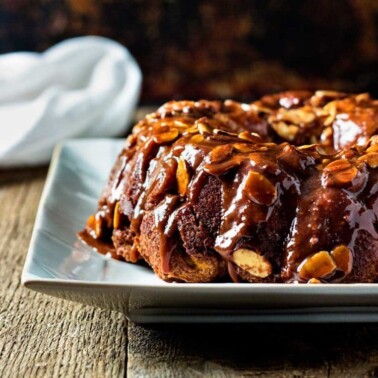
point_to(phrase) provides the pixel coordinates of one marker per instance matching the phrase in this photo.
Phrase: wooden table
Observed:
(45, 336)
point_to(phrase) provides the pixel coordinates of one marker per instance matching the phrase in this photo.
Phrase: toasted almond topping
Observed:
(116, 216)
(251, 137)
(372, 148)
(374, 140)
(362, 97)
(91, 222)
(304, 115)
(318, 265)
(131, 139)
(182, 176)
(322, 93)
(337, 165)
(224, 166)
(260, 189)
(328, 121)
(371, 159)
(196, 139)
(220, 153)
(331, 109)
(340, 172)
(326, 134)
(260, 109)
(288, 132)
(180, 124)
(204, 129)
(252, 262)
(98, 227)
(191, 130)
(306, 147)
(242, 147)
(343, 258)
(166, 137)
(314, 281)
(320, 112)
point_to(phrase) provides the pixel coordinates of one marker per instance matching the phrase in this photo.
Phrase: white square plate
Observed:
(60, 265)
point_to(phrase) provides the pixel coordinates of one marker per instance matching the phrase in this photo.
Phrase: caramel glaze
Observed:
(291, 177)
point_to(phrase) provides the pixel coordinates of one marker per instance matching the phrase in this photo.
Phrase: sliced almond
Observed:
(372, 148)
(288, 132)
(98, 227)
(340, 172)
(343, 258)
(328, 121)
(260, 189)
(314, 281)
(250, 137)
(331, 109)
(322, 93)
(260, 109)
(180, 124)
(371, 159)
(131, 140)
(196, 139)
(116, 216)
(91, 222)
(320, 112)
(191, 130)
(252, 262)
(374, 140)
(304, 115)
(222, 167)
(318, 265)
(204, 129)
(220, 153)
(242, 147)
(223, 132)
(337, 165)
(166, 137)
(182, 176)
(362, 97)
(307, 147)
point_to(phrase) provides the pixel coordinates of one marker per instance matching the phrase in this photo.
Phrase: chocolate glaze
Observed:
(287, 177)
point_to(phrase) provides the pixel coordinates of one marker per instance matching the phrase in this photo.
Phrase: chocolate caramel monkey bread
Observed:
(284, 189)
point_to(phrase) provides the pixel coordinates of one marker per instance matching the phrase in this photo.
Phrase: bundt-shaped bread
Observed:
(281, 190)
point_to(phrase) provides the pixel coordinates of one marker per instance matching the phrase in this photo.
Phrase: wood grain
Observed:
(220, 350)
(39, 335)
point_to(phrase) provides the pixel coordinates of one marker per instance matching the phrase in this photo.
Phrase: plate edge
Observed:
(55, 158)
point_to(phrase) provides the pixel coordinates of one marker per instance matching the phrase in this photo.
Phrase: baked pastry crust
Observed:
(280, 190)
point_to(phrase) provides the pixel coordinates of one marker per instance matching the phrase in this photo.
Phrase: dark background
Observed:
(215, 49)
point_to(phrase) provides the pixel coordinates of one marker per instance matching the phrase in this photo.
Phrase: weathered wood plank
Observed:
(41, 335)
(297, 350)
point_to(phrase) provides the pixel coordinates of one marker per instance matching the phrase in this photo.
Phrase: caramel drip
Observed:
(162, 214)
(99, 245)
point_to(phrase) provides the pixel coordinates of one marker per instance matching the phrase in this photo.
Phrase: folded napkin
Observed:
(82, 87)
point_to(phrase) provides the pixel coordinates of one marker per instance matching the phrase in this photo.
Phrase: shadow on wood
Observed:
(12, 176)
(254, 350)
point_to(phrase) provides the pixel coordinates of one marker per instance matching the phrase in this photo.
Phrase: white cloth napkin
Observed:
(82, 87)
